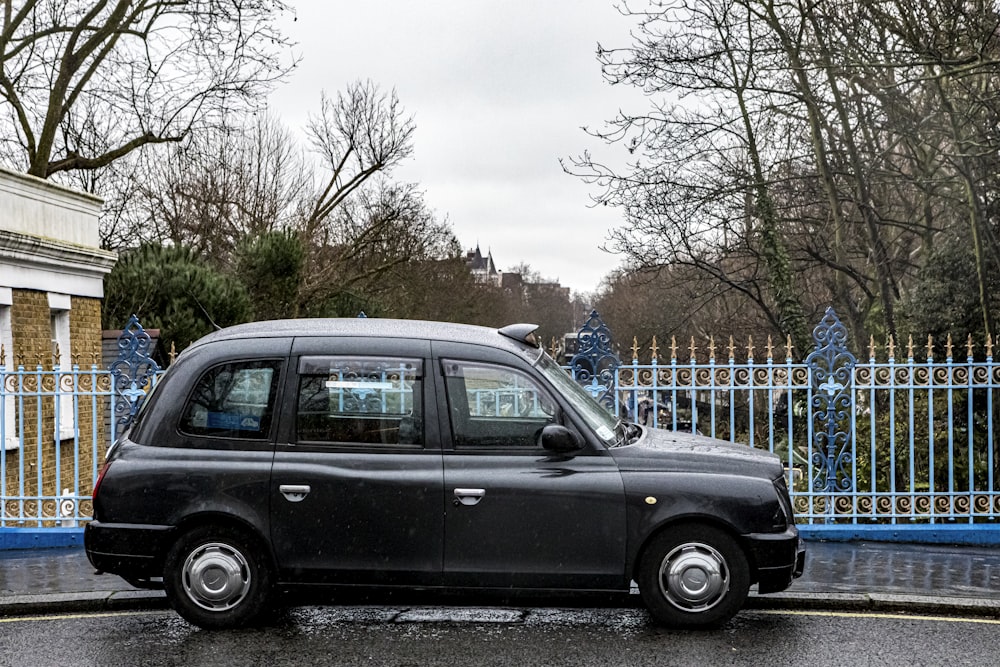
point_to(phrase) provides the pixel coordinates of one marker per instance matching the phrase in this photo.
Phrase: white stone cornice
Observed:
(32, 262)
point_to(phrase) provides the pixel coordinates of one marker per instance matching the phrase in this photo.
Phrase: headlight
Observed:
(783, 516)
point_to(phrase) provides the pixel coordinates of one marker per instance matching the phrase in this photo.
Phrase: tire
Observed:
(693, 576)
(217, 577)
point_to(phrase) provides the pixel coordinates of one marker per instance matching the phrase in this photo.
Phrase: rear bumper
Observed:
(779, 558)
(128, 550)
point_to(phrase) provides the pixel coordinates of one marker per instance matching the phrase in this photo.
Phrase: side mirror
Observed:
(557, 438)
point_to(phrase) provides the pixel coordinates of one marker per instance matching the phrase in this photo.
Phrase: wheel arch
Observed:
(224, 520)
(691, 520)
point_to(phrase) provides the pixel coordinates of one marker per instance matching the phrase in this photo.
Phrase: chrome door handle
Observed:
(294, 493)
(468, 497)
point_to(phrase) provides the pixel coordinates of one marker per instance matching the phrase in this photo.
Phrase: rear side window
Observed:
(234, 400)
(360, 400)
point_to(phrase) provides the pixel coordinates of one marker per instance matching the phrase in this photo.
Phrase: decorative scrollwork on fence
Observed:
(132, 373)
(923, 506)
(67, 383)
(832, 369)
(595, 364)
(29, 384)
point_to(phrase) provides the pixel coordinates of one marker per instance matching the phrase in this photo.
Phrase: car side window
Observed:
(495, 406)
(233, 400)
(360, 400)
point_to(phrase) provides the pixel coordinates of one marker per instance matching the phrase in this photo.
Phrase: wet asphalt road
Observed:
(456, 637)
(831, 567)
(608, 634)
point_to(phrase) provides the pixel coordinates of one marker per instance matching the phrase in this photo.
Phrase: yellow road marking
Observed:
(860, 614)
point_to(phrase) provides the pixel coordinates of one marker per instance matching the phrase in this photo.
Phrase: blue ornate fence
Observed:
(903, 445)
(878, 444)
(57, 423)
(131, 374)
(595, 364)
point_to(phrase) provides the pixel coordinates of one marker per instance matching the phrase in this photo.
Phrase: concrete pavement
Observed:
(853, 576)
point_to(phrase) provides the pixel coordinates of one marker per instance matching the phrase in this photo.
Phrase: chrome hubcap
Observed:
(216, 576)
(694, 577)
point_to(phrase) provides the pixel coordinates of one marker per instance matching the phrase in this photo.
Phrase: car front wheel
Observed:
(217, 577)
(693, 576)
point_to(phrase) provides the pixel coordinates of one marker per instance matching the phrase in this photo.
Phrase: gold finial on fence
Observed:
(909, 347)
(769, 349)
(3, 356)
(74, 359)
(892, 347)
(968, 347)
(552, 348)
(673, 348)
(871, 346)
(989, 345)
(930, 347)
(711, 348)
(749, 347)
(948, 348)
(694, 350)
(55, 357)
(788, 347)
(95, 355)
(654, 351)
(635, 349)
(732, 349)
(173, 352)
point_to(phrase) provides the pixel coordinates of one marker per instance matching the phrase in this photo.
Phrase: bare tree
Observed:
(364, 131)
(220, 187)
(369, 247)
(86, 82)
(707, 154)
(360, 232)
(800, 153)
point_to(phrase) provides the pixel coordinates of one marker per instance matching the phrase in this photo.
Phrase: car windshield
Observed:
(611, 431)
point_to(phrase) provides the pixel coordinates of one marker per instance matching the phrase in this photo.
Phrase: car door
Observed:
(517, 515)
(356, 488)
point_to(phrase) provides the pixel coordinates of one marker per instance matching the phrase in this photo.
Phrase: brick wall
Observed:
(31, 329)
(40, 458)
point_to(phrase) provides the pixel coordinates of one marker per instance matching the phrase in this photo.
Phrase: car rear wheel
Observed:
(217, 577)
(693, 576)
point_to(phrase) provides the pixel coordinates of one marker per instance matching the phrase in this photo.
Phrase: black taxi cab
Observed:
(327, 453)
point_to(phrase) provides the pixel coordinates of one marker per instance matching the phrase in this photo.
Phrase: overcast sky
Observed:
(499, 92)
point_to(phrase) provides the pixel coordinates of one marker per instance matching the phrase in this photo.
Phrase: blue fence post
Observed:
(131, 373)
(831, 370)
(595, 365)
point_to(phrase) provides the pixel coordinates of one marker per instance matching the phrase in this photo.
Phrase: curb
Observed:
(88, 601)
(877, 603)
(146, 600)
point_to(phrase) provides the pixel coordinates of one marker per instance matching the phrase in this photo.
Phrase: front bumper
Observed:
(779, 558)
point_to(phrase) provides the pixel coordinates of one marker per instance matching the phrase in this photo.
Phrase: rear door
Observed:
(515, 514)
(356, 488)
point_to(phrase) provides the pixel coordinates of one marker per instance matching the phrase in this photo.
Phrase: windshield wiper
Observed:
(633, 431)
(629, 433)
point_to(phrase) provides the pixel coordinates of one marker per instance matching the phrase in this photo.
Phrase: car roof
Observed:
(370, 327)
